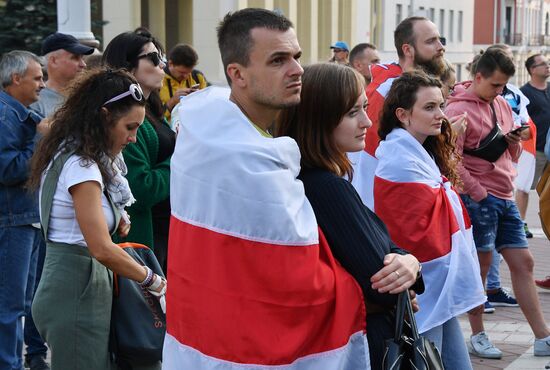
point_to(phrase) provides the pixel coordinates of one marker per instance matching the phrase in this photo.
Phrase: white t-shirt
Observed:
(63, 226)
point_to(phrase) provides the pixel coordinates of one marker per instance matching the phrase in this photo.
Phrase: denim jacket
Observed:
(17, 142)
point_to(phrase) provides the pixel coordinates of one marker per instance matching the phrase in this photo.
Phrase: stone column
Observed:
(74, 18)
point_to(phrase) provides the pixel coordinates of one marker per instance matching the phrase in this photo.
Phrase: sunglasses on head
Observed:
(154, 57)
(134, 91)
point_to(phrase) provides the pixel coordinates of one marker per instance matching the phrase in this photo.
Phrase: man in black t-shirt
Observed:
(537, 91)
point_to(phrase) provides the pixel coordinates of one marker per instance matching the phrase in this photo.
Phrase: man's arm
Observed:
(16, 148)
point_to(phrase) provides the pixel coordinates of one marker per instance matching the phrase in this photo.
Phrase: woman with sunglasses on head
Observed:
(149, 160)
(82, 198)
(326, 125)
(415, 197)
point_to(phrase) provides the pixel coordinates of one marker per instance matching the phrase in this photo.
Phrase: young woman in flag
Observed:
(330, 121)
(414, 196)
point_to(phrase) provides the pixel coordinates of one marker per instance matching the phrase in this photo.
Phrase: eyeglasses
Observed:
(134, 91)
(540, 64)
(154, 57)
(338, 50)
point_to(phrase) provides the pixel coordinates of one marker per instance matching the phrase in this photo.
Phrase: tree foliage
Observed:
(25, 23)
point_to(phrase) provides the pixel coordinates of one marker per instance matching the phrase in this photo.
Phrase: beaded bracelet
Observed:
(146, 283)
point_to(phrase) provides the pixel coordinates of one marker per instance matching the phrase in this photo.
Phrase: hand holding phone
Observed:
(519, 129)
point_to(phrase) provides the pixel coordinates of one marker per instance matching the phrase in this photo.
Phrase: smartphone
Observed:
(195, 86)
(519, 129)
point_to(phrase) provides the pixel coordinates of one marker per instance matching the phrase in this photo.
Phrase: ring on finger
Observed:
(397, 273)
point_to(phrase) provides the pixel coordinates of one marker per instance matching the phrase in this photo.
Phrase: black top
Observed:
(357, 237)
(539, 101)
(167, 143)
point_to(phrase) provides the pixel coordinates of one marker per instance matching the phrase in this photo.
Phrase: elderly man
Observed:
(21, 78)
(64, 56)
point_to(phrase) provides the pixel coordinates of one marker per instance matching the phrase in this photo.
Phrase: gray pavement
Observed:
(507, 327)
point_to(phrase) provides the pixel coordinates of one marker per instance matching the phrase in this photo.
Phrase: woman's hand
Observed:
(399, 273)
(158, 289)
(124, 226)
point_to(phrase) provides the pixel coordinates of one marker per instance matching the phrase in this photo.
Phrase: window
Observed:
(460, 16)
(451, 25)
(398, 14)
(442, 22)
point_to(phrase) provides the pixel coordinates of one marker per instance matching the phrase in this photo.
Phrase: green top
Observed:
(149, 182)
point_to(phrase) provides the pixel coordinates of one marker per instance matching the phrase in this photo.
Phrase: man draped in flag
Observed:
(253, 283)
(487, 189)
(419, 46)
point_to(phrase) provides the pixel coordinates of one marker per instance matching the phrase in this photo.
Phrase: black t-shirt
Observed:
(539, 111)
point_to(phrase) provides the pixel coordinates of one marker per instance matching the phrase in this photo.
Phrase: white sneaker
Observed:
(542, 347)
(480, 346)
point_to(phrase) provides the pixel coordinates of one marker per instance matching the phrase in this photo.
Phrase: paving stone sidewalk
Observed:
(507, 327)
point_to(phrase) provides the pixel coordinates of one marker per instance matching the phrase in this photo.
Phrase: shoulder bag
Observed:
(407, 349)
(138, 324)
(493, 145)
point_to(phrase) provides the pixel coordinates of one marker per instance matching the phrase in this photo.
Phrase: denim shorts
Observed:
(496, 223)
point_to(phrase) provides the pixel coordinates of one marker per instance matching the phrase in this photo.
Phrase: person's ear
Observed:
(408, 50)
(16, 79)
(104, 112)
(403, 116)
(237, 74)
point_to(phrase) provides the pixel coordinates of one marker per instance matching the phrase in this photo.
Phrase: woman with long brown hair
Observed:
(327, 124)
(415, 197)
(78, 168)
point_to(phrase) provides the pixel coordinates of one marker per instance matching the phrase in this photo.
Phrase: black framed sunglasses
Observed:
(134, 90)
(154, 57)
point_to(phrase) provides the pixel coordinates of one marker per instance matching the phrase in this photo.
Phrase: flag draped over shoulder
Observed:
(526, 162)
(364, 162)
(425, 216)
(253, 284)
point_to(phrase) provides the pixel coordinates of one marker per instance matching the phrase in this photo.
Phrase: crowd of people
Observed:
(287, 217)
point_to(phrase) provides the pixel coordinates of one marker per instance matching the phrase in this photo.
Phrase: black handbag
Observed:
(407, 349)
(493, 145)
(138, 324)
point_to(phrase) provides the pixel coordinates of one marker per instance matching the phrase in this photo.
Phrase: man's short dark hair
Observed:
(358, 49)
(404, 34)
(492, 59)
(183, 55)
(234, 39)
(530, 62)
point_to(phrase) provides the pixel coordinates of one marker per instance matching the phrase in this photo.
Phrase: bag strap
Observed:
(492, 134)
(48, 190)
(412, 319)
(404, 313)
(400, 310)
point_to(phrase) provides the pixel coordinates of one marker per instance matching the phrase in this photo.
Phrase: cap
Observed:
(57, 41)
(340, 45)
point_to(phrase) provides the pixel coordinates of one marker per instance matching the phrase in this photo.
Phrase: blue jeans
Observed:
(33, 340)
(448, 338)
(496, 223)
(19, 246)
(493, 276)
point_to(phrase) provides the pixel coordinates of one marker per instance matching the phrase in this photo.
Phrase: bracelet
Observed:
(155, 284)
(146, 283)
